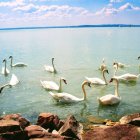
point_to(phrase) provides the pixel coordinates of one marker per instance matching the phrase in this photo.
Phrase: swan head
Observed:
(4, 60)
(64, 80)
(105, 70)
(115, 65)
(139, 57)
(10, 57)
(87, 83)
(113, 79)
(52, 59)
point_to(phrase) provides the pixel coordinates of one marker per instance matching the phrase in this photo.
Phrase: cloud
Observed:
(115, 1)
(29, 8)
(109, 10)
(128, 6)
(11, 4)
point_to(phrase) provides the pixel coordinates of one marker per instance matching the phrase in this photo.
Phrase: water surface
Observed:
(78, 52)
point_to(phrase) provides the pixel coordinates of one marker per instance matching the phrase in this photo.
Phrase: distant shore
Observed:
(73, 26)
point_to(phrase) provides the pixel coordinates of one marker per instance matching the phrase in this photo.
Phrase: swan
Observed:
(111, 99)
(127, 77)
(14, 80)
(50, 85)
(5, 71)
(119, 65)
(103, 66)
(50, 68)
(68, 98)
(98, 81)
(19, 64)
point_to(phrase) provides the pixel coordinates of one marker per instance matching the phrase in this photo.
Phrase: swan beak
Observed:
(65, 81)
(138, 57)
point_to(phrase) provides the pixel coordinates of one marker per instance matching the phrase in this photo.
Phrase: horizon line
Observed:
(72, 26)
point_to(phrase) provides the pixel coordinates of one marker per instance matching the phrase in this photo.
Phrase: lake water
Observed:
(78, 52)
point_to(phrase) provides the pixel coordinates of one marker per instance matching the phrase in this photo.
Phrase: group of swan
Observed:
(125, 77)
(14, 80)
(109, 99)
(5, 71)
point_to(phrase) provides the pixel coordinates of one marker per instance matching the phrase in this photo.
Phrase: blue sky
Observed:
(23, 13)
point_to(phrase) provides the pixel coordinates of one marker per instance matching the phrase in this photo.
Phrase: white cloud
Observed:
(11, 4)
(128, 6)
(26, 8)
(115, 1)
(109, 10)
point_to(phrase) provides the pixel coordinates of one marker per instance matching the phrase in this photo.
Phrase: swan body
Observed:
(68, 98)
(111, 99)
(103, 66)
(50, 85)
(14, 81)
(119, 65)
(127, 77)
(19, 64)
(98, 81)
(50, 68)
(5, 71)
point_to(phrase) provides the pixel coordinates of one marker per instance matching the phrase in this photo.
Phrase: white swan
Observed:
(14, 81)
(50, 85)
(103, 66)
(68, 98)
(98, 81)
(19, 64)
(111, 99)
(119, 65)
(50, 68)
(5, 71)
(127, 77)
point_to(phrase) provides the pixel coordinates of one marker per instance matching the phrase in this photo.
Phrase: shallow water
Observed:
(78, 52)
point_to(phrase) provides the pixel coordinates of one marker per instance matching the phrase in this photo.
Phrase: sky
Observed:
(31, 13)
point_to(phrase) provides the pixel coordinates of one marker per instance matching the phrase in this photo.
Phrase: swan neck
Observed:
(104, 77)
(116, 88)
(60, 85)
(53, 65)
(84, 92)
(5, 67)
(11, 62)
(2, 87)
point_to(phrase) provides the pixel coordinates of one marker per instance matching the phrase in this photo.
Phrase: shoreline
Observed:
(72, 26)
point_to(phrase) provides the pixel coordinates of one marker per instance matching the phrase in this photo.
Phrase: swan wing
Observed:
(19, 64)
(50, 85)
(49, 68)
(109, 99)
(65, 97)
(95, 80)
(14, 80)
(127, 76)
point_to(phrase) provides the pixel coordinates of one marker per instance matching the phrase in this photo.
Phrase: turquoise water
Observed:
(78, 52)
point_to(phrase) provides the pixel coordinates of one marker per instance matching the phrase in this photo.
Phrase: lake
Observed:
(78, 52)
